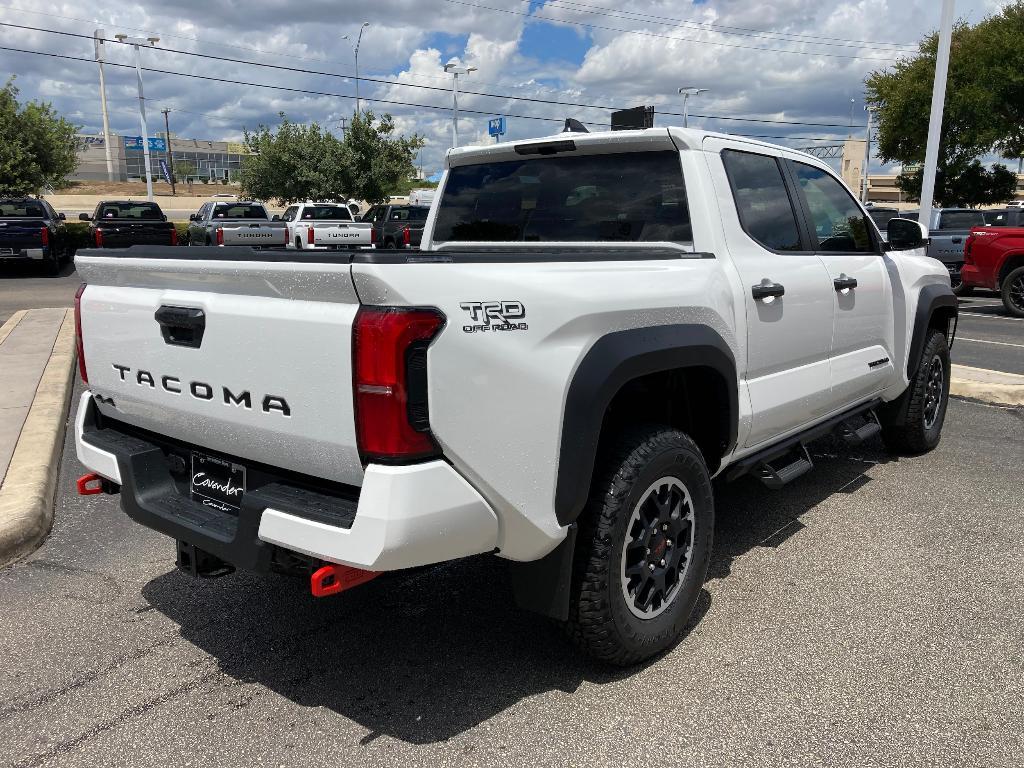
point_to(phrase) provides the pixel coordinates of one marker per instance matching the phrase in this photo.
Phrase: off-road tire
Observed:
(601, 621)
(920, 431)
(1012, 292)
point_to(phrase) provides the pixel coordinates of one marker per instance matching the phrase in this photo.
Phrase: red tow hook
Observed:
(86, 485)
(332, 579)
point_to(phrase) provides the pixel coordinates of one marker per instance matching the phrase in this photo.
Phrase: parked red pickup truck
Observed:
(994, 259)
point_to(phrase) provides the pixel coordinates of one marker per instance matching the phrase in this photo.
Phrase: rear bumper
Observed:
(401, 516)
(24, 254)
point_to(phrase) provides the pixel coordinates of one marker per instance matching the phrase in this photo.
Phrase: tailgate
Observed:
(254, 234)
(16, 235)
(120, 235)
(268, 379)
(342, 234)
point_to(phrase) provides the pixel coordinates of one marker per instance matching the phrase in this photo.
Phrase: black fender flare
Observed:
(932, 299)
(614, 360)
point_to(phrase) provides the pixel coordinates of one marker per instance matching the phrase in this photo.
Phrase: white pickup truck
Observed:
(235, 224)
(325, 227)
(597, 325)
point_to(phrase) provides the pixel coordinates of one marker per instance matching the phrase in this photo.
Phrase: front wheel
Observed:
(643, 548)
(1012, 291)
(928, 395)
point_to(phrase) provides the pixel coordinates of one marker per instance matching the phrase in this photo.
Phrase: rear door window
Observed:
(762, 201)
(622, 197)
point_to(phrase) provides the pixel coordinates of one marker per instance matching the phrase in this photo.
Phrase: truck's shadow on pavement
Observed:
(423, 656)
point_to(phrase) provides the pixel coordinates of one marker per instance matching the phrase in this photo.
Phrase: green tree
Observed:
(304, 162)
(38, 148)
(183, 169)
(984, 107)
(975, 185)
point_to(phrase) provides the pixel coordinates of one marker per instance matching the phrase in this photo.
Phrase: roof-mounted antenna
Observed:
(574, 126)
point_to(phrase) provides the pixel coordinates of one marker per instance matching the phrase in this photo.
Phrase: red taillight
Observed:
(45, 234)
(78, 334)
(967, 249)
(174, 235)
(373, 235)
(220, 237)
(406, 237)
(310, 235)
(390, 380)
(99, 239)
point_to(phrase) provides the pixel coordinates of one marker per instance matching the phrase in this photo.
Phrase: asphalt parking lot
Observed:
(867, 615)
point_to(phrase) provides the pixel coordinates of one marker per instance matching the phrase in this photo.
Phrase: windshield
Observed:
(326, 213)
(149, 211)
(622, 197)
(239, 211)
(26, 209)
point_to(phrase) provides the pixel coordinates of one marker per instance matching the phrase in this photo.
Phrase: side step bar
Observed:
(785, 461)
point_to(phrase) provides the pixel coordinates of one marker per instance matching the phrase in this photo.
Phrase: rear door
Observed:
(787, 291)
(862, 337)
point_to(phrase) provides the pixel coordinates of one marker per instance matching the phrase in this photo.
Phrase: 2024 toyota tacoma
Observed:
(598, 325)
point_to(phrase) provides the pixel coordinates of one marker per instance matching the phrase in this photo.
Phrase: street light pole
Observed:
(135, 42)
(867, 156)
(359, 40)
(931, 155)
(686, 92)
(98, 36)
(456, 69)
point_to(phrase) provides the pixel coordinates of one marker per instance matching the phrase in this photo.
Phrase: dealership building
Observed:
(196, 158)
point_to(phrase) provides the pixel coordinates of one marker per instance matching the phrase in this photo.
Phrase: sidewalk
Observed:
(36, 363)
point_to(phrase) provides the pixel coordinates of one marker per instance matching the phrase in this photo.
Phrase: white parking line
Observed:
(986, 341)
(993, 317)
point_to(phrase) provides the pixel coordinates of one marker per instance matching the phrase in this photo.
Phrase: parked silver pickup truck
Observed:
(948, 229)
(241, 223)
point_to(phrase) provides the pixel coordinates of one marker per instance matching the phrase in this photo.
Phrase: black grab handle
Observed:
(181, 326)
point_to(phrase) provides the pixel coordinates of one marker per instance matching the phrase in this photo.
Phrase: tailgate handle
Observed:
(181, 326)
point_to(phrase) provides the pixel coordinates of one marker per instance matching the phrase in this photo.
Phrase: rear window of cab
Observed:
(621, 197)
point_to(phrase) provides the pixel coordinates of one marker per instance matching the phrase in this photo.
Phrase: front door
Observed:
(862, 336)
(787, 292)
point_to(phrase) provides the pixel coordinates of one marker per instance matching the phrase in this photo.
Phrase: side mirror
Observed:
(164, 217)
(193, 217)
(906, 234)
(62, 217)
(84, 217)
(275, 217)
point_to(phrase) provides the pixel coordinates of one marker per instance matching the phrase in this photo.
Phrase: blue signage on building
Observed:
(135, 142)
(496, 126)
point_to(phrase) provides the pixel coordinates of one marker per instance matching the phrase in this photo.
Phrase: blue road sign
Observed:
(496, 126)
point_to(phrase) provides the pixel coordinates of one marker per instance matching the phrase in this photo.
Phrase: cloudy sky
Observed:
(788, 67)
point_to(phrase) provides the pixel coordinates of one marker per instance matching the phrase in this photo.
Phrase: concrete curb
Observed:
(11, 324)
(26, 497)
(987, 386)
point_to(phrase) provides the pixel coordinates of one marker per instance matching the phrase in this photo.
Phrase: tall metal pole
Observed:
(142, 120)
(867, 156)
(359, 41)
(170, 154)
(98, 36)
(931, 156)
(686, 112)
(455, 109)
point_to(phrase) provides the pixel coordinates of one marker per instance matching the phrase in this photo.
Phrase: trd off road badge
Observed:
(494, 316)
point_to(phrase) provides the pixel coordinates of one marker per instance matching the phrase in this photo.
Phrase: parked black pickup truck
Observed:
(30, 230)
(397, 226)
(123, 223)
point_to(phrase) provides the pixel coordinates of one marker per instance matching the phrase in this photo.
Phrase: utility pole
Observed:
(344, 126)
(867, 156)
(931, 156)
(170, 155)
(98, 36)
(135, 42)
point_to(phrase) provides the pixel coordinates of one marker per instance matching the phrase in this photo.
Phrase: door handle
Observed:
(766, 290)
(844, 283)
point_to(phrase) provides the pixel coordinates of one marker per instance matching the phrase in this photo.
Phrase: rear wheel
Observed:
(643, 547)
(928, 399)
(1013, 292)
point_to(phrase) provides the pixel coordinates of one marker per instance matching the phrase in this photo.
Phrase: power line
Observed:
(645, 33)
(535, 100)
(725, 28)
